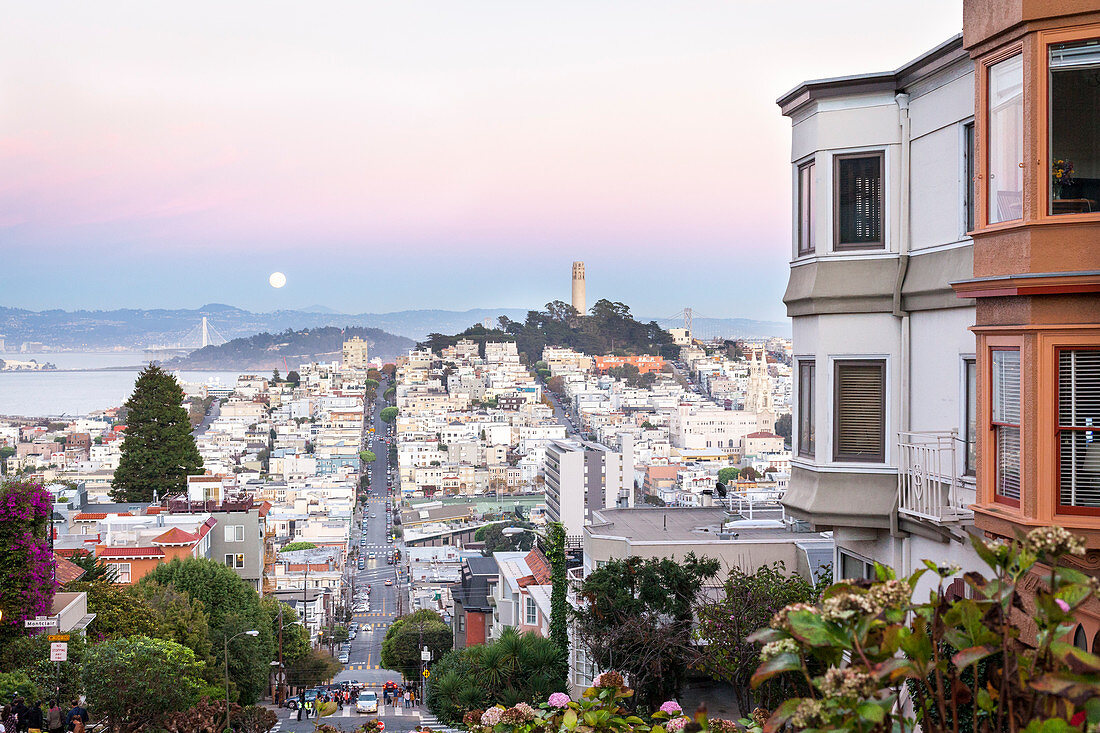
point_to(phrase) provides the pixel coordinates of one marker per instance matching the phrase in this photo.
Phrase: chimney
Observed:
(706, 498)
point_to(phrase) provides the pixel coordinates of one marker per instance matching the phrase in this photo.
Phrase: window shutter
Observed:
(1078, 412)
(859, 200)
(860, 411)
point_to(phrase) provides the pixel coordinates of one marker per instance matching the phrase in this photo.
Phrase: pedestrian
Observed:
(76, 712)
(35, 719)
(55, 718)
(407, 699)
(19, 709)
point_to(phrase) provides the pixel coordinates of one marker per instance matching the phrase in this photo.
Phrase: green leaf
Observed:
(1077, 660)
(811, 629)
(776, 665)
(765, 635)
(591, 718)
(973, 655)
(569, 720)
(782, 714)
(870, 711)
(985, 700)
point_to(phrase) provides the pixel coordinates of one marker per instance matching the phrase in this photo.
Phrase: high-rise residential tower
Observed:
(578, 287)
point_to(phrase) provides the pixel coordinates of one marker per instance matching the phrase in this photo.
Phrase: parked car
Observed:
(367, 702)
(389, 582)
(344, 657)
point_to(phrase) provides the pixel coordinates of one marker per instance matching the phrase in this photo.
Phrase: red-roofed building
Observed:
(134, 546)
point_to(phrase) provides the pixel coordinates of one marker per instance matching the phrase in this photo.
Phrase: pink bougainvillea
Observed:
(27, 584)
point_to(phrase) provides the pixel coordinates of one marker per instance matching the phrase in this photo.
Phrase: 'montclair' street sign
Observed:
(40, 623)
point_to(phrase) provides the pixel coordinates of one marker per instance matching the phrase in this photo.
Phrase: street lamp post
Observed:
(250, 632)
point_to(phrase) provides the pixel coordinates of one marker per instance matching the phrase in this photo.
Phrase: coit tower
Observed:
(578, 287)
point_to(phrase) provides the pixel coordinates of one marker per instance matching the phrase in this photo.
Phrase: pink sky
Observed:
(621, 133)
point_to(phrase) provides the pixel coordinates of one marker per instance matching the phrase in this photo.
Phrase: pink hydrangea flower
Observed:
(491, 716)
(1062, 605)
(671, 707)
(558, 700)
(676, 724)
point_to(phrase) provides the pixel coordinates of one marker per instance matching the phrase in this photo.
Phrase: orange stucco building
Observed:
(1036, 279)
(644, 362)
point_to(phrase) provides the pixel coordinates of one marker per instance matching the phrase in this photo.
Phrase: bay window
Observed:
(1074, 145)
(1005, 424)
(1005, 119)
(806, 373)
(1079, 430)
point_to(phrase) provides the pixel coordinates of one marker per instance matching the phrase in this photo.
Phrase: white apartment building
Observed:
(355, 354)
(882, 174)
(699, 426)
(582, 477)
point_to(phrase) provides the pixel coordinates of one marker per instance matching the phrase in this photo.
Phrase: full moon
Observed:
(277, 279)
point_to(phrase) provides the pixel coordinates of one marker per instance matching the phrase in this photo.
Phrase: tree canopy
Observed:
(514, 668)
(497, 541)
(608, 326)
(408, 634)
(635, 615)
(388, 414)
(137, 680)
(233, 606)
(158, 452)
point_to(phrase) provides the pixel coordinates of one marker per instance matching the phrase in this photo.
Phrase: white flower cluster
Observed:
(1054, 541)
(847, 682)
(774, 648)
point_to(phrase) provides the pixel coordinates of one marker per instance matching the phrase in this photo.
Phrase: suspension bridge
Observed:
(201, 335)
(704, 328)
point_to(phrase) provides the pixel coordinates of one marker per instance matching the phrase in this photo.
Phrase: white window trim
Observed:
(796, 166)
(117, 567)
(887, 248)
(961, 460)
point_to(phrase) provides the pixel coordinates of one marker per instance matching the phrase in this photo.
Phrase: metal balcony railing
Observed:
(930, 484)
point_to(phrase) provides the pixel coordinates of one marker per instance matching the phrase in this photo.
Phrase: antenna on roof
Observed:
(665, 517)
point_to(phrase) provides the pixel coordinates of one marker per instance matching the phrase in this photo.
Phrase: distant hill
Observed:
(609, 329)
(266, 351)
(137, 328)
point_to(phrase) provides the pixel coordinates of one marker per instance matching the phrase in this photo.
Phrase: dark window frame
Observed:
(970, 171)
(838, 245)
(808, 448)
(838, 456)
(805, 228)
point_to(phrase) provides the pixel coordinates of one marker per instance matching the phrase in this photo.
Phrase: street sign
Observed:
(58, 637)
(59, 651)
(425, 655)
(40, 622)
(427, 674)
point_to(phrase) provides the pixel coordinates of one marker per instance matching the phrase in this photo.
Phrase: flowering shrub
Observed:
(27, 584)
(600, 710)
(959, 663)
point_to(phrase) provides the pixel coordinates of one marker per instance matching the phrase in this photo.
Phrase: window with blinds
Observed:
(1079, 428)
(859, 411)
(1005, 416)
(806, 374)
(859, 201)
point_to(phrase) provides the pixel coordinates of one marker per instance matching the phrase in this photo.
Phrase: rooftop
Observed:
(690, 524)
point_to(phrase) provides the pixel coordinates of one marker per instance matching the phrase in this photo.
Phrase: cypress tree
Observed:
(559, 604)
(158, 452)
